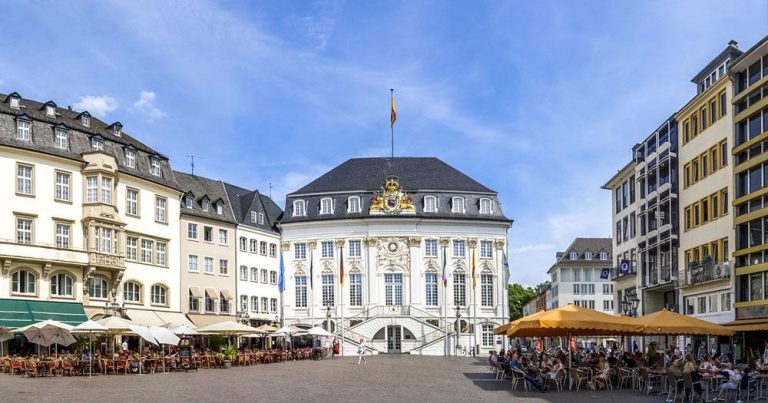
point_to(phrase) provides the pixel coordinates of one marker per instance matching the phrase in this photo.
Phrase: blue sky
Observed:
(541, 100)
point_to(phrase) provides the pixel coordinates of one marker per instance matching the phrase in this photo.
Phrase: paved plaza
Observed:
(383, 379)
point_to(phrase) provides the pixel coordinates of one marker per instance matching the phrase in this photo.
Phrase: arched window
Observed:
(131, 292)
(486, 207)
(457, 205)
(98, 287)
(326, 205)
(299, 208)
(23, 282)
(159, 294)
(61, 285)
(430, 204)
(353, 204)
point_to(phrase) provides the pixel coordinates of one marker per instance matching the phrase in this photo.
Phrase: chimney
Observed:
(733, 44)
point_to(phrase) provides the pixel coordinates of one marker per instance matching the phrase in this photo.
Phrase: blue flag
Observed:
(281, 279)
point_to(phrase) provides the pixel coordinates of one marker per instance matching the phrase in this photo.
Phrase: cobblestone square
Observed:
(385, 378)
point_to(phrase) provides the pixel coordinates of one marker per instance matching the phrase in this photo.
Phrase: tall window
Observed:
(264, 276)
(91, 189)
(160, 209)
(210, 306)
(459, 248)
(191, 231)
(131, 292)
(254, 246)
(223, 304)
(431, 289)
(194, 302)
(457, 205)
(160, 256)
(487, 335)
(219, 208)
(272, 277)
(393, 288)
(243, 273)
(24, 230)
(207, 233)
(23, 128)
(273, 305)
(301, 291)
(486, 249)
(62, 235)
(254, 275)
(353, 204)
(154, 168)
(272, 250)
(131, 248)
(355, 249)
(85, 120)
(300, 251)
(192, 263)
(328, 289)
(223, 236)
(255, 304)
(355, 289)
(264, 304)
(106, 190)
(61, 285)
(130, 158)
(299, 208)
(430, 247)
(159, 295)
(430, 204)
(208, 268)
(326, 205)
(146, 250)
(243, 244)
(486, 289)
(485, 206)
(326, 248)
(23, 282)
(62, 139)
(132, 202)
(24, 179)
(459, 289)
(97, 288)
(243, 303)
(263, 248)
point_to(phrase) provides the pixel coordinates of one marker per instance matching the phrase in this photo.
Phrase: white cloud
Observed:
(100, 105)
(146, 106)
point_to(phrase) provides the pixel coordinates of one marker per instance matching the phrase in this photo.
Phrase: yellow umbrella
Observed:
(572, 320)
(503, 329)
(672, 323)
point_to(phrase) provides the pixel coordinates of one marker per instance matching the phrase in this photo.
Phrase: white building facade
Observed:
(393, 244)
(582, 275)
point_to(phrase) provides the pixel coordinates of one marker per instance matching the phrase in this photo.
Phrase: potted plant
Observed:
(228, 354)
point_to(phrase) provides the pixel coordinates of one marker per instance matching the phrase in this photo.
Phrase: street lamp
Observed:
(113, 308)
(242, 316)
(328, 319)
(458, 327)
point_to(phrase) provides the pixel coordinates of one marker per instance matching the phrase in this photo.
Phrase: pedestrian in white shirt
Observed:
(361, 352)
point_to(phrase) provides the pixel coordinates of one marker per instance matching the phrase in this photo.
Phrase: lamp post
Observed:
(458, 328)
(113, 308)
(242, 316)
(328, 319)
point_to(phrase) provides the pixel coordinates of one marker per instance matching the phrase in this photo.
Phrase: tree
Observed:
(518, 297)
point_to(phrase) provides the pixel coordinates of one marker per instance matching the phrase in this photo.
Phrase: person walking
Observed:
(361, 352)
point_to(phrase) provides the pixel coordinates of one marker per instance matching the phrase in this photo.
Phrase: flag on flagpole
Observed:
(445, 269)
(474, 270)
(393, 115)
(311, 271)
(341, 266)
(505, 264)
(281, 278)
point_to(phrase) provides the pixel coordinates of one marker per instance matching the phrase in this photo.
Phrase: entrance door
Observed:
(393, 289)
(393, 339)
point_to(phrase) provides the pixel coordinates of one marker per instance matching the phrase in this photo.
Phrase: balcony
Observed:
(617, 273)
(106, 260)
(707, 270)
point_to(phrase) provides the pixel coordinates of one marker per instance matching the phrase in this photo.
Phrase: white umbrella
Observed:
(285, 330)
(90, 327)
(115, 326)
(185, 331)
(164, 336)
(228, 327)
(319, 331)
(144, 334)
(48, 332)
(61, 336)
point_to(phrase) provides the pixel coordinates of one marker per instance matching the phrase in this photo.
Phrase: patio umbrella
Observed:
(504, 329)
(666, 322)
(267, 328)
(90, 327)
(319, 331)
(47, 332)
(144, 334)
(228, 328)
(285, 331)
(164, 336)
(185, 331)
(5, 334)
(115, 326)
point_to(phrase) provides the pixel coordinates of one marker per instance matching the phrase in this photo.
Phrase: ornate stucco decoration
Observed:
(393, 252)
(392, 200)
(299, 265)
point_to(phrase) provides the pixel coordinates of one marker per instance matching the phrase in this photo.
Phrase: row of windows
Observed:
(706, 210)
(754, 73)
(192, 233)
(626, 229)
(267, 277)
(393, 289)
(579, 274)
(714, 76)
(459, 248)
(208, 265)
(717, 250)
(259, 247)
(25, 232)
(138, 249)
(204, 204)
(589, 289)
(710, 112)
(431, 205)
(705, 164)
(752, 287)
(209, 302)
(751, 127)
(712, 303)
(268, 305)
(625, 194)
(588, 255)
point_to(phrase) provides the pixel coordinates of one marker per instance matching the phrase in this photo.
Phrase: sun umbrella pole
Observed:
(90, 354)
(570, 353)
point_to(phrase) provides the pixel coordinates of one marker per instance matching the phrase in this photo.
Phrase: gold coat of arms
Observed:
(392, 199)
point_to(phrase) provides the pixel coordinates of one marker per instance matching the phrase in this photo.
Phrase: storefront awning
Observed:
(18, 312)
(175, 319)
(225, 292)
(205, 320)
(753, 325)
(144, 318)
(196, 292)
(211, 293)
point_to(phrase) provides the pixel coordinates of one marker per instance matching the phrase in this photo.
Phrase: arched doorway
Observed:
(390, 338)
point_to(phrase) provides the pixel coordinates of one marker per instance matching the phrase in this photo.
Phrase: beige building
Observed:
(705, 130)
(208, 251)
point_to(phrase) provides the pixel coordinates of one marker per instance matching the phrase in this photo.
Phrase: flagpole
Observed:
(341, 257)
(311, 287)
(474, 296)
(392, 123)
(445, 305)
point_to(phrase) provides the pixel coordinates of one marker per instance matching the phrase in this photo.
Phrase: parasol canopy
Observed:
(504, 329)
(228, 328)
(319, 331)
(572, 320)
(672, 323)
(144, 333)
(185, 331)
(163, 335)
(48, 332)
(114, 324)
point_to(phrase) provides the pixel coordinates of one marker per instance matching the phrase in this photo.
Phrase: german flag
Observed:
(393, 115)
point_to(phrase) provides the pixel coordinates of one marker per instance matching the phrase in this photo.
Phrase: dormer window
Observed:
(15, 103)
(430, 204)
(188, 201)
(299, 209)
(588, 255)
(219, 208)
(573, 255)
(154, 167)
(85, 120)
(486, 206)
(205, 205)
(253, 217)
(457, 205)
(326, 205)
(62, 138)
(50, 111)
(97, 143)
(23, 129)
(603, 255)
(130, 158)
(261, 219)
(353, 204)
(117, 129)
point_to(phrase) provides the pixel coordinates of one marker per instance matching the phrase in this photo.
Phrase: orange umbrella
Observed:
(503, 329)
(672, 323)
(572, 320)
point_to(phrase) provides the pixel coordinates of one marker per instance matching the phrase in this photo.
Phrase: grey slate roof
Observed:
(43, 138)
(200, 188)
(245, 201)
(581, 246)
(418, 177)
(730, 51)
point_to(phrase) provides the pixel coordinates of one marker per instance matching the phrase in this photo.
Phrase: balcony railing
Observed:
(616, 272)
(707, 270)
(102, 259)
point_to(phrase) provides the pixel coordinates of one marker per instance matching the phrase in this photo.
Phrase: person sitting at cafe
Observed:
(690, 368)
(86, 355)
(675, 368)
(734, 381)
(557, 365)
(515, 363)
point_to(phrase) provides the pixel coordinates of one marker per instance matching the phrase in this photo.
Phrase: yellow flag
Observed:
(393, 116)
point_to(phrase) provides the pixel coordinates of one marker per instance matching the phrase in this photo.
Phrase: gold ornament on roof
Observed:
(392, 199)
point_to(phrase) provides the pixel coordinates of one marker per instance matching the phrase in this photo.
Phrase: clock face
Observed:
(392, 247)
